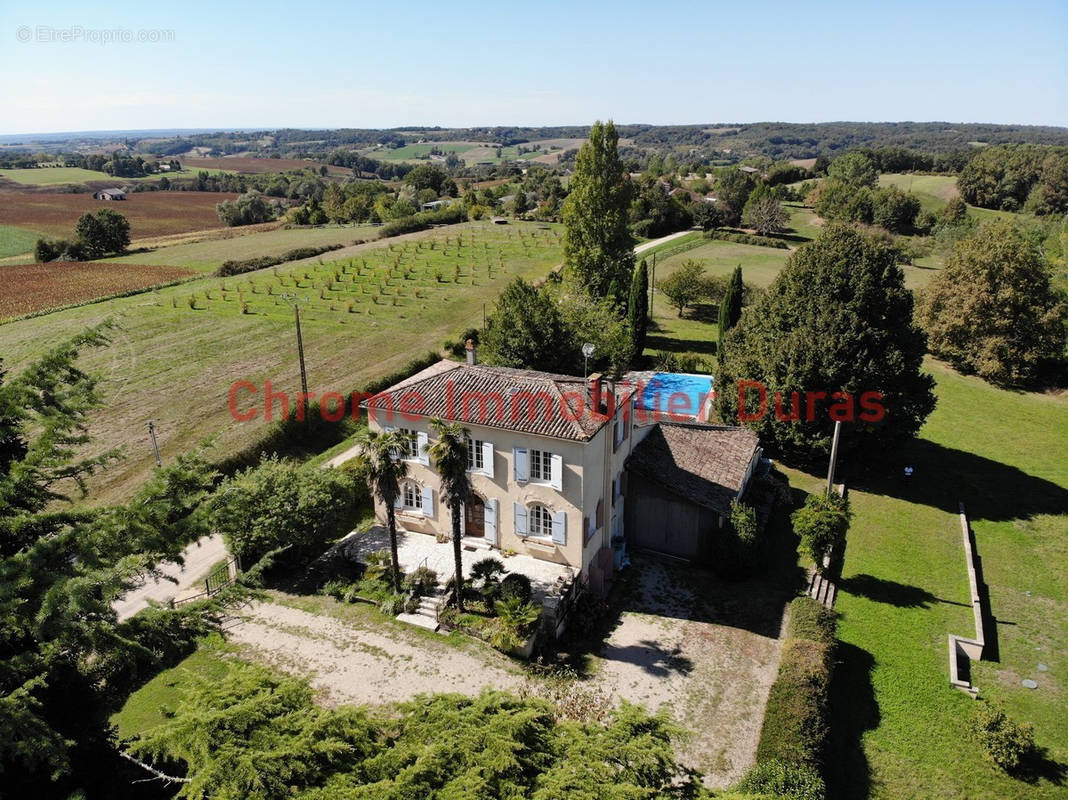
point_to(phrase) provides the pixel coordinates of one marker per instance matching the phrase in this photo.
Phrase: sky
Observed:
(233, 64)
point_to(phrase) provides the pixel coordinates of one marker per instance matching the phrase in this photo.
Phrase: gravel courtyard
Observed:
(706, 650)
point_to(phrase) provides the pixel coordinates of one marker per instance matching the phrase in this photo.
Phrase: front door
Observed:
(475, 517)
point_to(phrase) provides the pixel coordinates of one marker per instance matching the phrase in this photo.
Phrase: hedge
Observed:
(746, 238)
(795, 720)
(425, 219)
(243, 265)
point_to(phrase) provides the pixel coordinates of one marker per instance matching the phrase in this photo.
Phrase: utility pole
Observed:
(296, 301)
(155, 444)
(834, 457)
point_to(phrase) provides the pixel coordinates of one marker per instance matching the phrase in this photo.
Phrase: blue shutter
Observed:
(559, 528)
(491, 521)
(428, 501)
(519, 457)
(422, 441)
(556, 472)
(520, 511)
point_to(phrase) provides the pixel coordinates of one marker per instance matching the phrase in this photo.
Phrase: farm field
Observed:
(50, 176)
(53, 176)
(208, 255)
(254, 166)
(900, 728)
(36, 287)
(15, 241)
(149, 213)
(474, 152)
(175, 365)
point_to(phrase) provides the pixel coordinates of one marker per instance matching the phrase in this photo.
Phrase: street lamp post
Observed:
(587, 351)
(296, 301)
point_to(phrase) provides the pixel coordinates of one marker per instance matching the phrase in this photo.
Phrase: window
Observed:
(413, 496)
(541, 468)
(412, 439)
(475, 454)
(541, 521)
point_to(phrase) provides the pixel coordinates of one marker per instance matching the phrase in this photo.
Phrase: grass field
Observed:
(175, 365)
(208, 255)
(149, 213)
(697, 331)
(470, 152)
(900, 727)
(50, 176)
(36, 287)
(256, 166)
(15, 241)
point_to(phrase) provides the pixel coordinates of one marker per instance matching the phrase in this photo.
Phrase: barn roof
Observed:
(706, 464)
(526, 401)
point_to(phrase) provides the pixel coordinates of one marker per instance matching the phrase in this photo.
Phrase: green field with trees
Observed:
(411, 294)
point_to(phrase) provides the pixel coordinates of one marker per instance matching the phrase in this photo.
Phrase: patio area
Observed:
(416, 549)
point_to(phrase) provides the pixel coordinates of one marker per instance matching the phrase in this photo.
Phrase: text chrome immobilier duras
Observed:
(248, 402)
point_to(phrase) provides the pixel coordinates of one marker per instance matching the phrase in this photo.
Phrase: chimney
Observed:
(472, 352)
(594, 397)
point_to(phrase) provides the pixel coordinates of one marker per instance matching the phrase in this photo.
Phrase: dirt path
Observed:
(199, 557)
(358, 664)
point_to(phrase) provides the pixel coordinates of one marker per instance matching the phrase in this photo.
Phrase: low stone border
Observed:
(959, 646)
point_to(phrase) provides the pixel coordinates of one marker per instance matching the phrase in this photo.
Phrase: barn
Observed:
(681, 480)
(109, 194)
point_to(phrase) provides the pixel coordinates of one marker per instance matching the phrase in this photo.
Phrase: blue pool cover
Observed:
(676, 393)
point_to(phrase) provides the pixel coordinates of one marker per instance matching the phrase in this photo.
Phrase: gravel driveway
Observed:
(380, 662)
(706, 650)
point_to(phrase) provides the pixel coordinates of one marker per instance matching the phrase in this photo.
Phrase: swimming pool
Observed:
(677, 393)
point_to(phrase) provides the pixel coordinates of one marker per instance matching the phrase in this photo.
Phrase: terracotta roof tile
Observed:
(706, 464)
(539, 403)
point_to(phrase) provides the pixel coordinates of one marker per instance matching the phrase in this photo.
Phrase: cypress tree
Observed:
(730, 308)
(638, 310)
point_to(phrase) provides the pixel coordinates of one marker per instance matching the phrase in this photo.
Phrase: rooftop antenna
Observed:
(587, 351)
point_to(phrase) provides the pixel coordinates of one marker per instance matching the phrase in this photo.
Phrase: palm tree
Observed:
(449, 454)
(385, 471)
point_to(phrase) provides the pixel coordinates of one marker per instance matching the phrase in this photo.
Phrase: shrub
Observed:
(795, 720)
(282, 504)
(45, 250)
(486, 576)
(1005, 742)
(515, 619)
(811, 620)
(516, 586)
(747, 238)
(423, 220)
(243, 265)
(784, 781)
(822, 525)
(422, 581)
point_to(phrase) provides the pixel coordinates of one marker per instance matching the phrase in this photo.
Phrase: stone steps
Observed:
(822, 590)
(426, 616)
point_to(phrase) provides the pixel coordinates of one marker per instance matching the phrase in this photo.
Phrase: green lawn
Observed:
(208, 255)
(803, 220)
(759, 264)
(175, 365)
(900, 728)
(15, 241)
(145, 708)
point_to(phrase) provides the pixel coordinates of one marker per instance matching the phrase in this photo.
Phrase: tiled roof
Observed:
(539, 403)
(702, 463)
